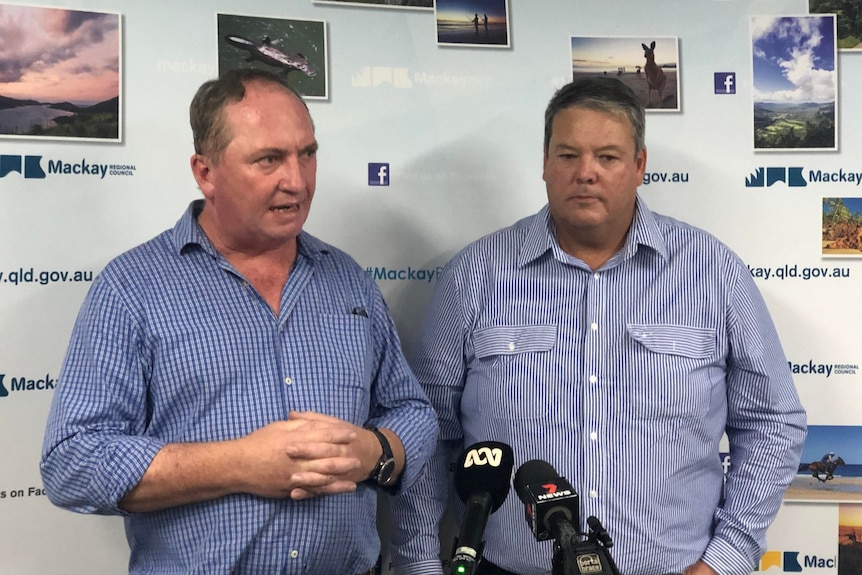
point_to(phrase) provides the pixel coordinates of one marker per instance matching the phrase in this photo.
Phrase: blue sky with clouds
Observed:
(794, 58)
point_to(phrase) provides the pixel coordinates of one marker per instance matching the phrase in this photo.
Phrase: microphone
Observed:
(551, 508)
(483, 475)
(550, 502)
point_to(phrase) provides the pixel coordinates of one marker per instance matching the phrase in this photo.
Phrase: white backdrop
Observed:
(462, 131)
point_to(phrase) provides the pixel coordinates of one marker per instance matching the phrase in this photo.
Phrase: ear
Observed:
(644, 46)
(652, 45)
(640, 163)
(202, 173)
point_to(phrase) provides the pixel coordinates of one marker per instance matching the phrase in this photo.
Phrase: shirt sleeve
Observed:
(439, 364)
(766, 429)
(94, 450)
(398, 402)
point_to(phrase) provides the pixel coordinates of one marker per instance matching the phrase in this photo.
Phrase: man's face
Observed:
(259, 194)
(591, 175)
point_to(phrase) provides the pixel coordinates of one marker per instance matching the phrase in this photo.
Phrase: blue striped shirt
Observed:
(173, 345)
(624, 379)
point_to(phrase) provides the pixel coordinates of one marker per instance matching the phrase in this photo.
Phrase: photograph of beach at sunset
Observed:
(472, 23)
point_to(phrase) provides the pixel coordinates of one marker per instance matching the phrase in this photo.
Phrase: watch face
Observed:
(384, 477)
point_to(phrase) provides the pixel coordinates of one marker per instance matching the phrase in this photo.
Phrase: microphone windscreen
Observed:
(535, 471)
(485, 466)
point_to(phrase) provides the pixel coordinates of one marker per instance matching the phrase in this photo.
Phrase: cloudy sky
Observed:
(54, 55)
(794, 58)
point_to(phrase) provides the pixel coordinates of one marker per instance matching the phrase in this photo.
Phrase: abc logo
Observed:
(484, 456)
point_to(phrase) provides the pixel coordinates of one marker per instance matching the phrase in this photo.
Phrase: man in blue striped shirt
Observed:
(235, 387)
(619, 346)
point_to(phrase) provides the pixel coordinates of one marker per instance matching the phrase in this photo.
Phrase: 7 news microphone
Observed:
(551, 507)
(483, 475)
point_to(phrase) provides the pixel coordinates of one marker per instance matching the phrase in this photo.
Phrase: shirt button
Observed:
(593, 379)
(594, 435)
(294, 554)
(597, 276)
(511, 346)
(288, 381)
(594, 326)
(593, 493)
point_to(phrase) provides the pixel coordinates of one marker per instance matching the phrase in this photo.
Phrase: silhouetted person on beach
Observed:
(476, 21)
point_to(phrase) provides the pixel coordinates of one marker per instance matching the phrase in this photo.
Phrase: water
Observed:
(22, 119)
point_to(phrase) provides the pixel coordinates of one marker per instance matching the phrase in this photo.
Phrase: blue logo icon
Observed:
(791, 176)
(725, 82)
(32, 167)
(378, 174)
(3, 391)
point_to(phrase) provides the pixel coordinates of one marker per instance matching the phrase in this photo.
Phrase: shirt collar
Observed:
(188, 234)
(644, 231)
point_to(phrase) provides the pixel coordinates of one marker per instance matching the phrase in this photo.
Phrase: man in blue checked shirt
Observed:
(235, 387)
(619, 346)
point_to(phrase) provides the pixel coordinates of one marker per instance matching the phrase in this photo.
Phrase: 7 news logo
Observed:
(725, 82)
(32, 167)
(378, 174)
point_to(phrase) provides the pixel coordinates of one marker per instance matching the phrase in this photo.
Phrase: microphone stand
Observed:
(575, 554)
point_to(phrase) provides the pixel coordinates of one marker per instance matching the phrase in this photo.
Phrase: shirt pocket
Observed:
(340, 361)
(510, 360)
(672, 370)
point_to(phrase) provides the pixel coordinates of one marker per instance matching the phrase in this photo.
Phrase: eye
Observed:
(268, 160)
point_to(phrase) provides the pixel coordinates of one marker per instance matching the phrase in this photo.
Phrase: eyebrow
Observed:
(608, 148)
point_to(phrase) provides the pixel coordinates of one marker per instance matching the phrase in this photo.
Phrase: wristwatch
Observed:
(384, 471)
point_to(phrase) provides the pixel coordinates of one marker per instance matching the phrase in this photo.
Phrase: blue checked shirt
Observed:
(173, 345)
(624, 380)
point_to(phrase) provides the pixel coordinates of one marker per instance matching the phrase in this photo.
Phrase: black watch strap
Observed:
(384, 471)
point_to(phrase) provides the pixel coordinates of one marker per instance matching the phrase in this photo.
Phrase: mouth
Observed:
(283, 209)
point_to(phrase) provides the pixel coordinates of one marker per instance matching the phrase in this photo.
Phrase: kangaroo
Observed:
(654, 75)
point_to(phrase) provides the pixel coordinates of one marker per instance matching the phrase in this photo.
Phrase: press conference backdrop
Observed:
(458, 127)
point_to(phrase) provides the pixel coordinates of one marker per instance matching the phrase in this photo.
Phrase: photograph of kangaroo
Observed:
(649, 66)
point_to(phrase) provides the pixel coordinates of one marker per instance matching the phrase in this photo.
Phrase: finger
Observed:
(330, 489)
(319, 450)
(336, 467)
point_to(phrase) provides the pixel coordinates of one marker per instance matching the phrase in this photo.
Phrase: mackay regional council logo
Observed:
(18, 384)
(31, 167)
(799, 177)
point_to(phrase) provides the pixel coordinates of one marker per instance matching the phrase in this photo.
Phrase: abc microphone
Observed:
(550, 502)
(483, 475)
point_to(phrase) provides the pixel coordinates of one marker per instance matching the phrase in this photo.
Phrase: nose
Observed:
(292, 177)
(585, 170)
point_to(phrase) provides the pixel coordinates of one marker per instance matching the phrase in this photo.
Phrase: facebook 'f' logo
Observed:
(378, 174)
(725, 82)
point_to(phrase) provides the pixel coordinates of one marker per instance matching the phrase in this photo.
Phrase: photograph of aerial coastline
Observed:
(407, 4)
(293, 49)
(648, 65)
(795, 79)
(476, 23)
(60, 74)
(831, 466)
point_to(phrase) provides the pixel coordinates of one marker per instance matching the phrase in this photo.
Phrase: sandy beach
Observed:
(807, 488)
(638, 83)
